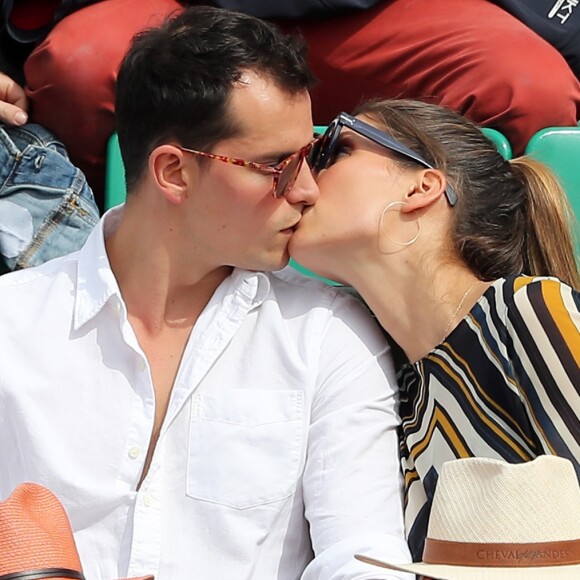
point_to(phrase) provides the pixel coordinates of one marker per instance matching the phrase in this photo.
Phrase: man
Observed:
(197, 417)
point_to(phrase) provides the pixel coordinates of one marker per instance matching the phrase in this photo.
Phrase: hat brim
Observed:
(443, 572)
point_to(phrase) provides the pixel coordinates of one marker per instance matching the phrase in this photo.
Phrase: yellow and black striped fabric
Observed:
(504, 384)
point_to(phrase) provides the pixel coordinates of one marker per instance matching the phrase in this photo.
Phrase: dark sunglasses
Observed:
(322, 154)
(284, 173)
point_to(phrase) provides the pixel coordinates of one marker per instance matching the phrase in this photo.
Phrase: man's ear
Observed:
(171, 173)
(428, 186)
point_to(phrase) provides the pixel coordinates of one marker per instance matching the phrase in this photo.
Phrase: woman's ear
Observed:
(171, 173)
(428, 186)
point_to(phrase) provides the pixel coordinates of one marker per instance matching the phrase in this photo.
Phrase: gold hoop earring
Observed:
(382, 229)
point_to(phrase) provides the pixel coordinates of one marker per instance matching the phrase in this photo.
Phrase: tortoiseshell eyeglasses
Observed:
(284, 173)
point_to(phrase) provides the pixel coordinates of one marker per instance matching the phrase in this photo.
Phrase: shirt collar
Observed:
(255, 286)
(97, 282)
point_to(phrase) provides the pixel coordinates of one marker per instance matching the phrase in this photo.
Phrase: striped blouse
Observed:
(504, 384)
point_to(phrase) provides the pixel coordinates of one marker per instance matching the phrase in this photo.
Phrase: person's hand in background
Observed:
(13, 102)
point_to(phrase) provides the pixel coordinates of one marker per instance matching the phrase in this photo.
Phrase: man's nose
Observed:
(305, 190)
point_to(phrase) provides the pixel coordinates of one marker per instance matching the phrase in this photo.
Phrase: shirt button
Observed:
(134, 452)
(147, 500)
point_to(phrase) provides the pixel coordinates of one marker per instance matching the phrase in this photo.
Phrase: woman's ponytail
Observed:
(549, 248)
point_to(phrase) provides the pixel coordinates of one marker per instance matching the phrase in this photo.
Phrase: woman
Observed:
(467, 260)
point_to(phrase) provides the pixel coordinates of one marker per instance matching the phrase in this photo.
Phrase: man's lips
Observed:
(299, 222)
(290, 229)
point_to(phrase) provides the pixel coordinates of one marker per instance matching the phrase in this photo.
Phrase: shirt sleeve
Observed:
(544, 322)
(352, 482)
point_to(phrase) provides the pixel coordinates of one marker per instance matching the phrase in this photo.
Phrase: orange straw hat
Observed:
(493, 520)
(36, 540)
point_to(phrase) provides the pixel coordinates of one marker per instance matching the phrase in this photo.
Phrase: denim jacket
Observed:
(46, 206)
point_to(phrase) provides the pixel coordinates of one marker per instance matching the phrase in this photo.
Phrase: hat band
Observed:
(501, 555)
(44, 573)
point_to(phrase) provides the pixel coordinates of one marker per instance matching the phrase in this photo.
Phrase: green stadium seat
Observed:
(500, 141)
(559, 149)
(115, 189)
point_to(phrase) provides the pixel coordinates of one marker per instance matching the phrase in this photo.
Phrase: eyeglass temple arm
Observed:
(381, 139)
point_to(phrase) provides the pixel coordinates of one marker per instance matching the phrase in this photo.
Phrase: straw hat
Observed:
(492, 520)
(36, 539)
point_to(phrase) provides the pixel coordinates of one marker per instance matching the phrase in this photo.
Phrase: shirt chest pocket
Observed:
(245, 446)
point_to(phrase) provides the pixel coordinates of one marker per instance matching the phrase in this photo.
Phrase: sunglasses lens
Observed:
(288, 176)
(325, 148)
(314, 155)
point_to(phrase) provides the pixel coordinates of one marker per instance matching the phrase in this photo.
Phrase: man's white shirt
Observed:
(279, 440)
